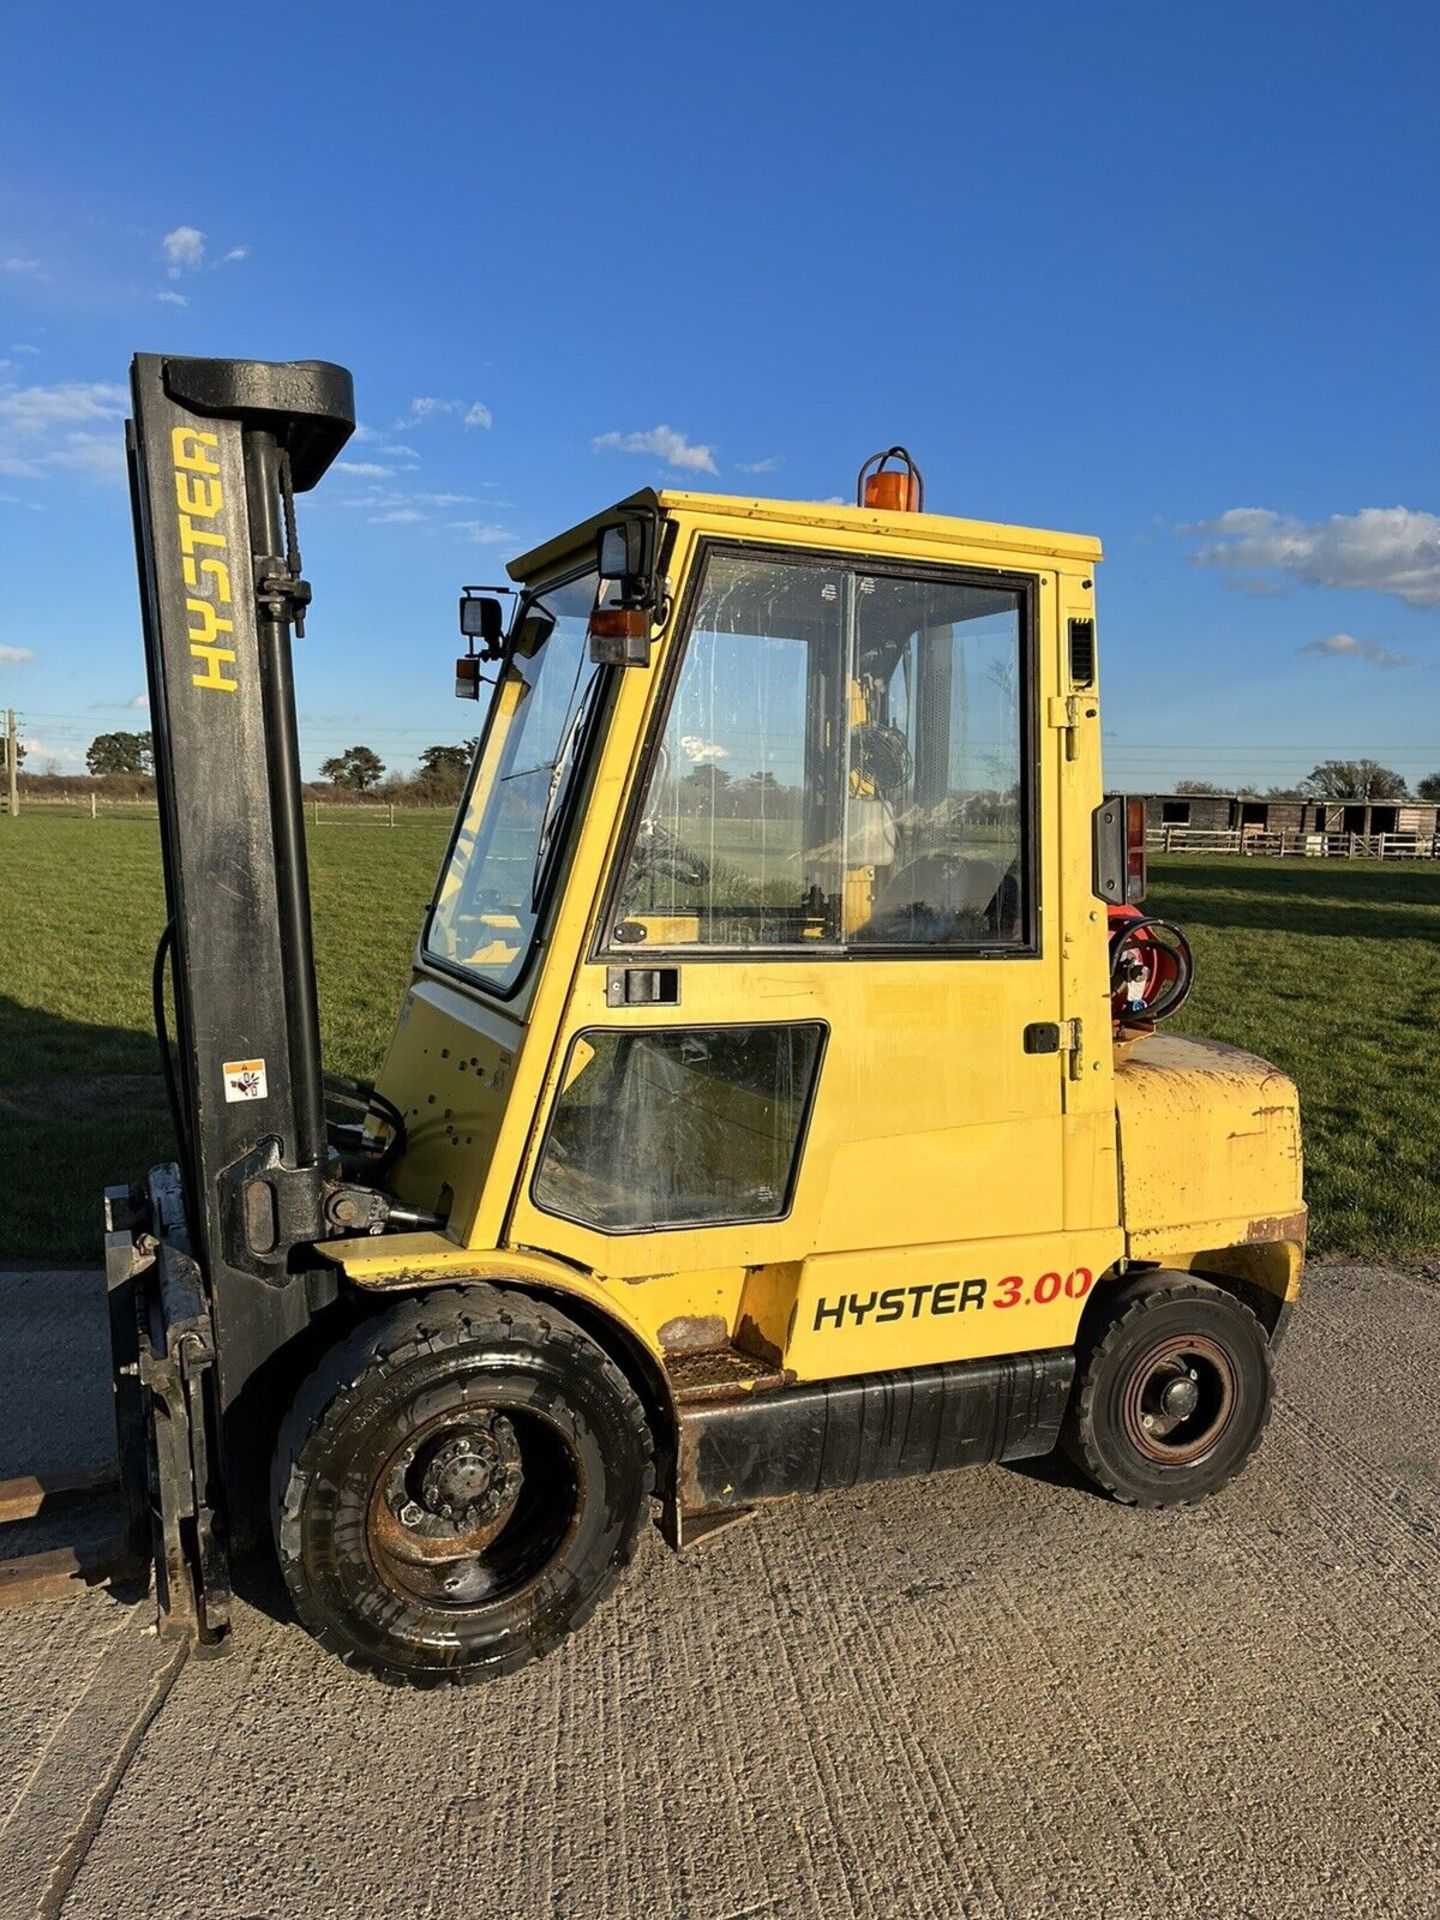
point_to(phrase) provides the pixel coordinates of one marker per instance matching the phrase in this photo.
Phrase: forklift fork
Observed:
(162, 1336)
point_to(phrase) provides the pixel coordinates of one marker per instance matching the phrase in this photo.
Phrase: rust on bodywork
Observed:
(694, 1333)
(1284, 1226)
(750, 1337)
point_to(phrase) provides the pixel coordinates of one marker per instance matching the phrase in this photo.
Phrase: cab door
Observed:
(815, 1056)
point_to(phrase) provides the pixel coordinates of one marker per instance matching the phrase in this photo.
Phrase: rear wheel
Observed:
(457, 1486)
(1173, 1394)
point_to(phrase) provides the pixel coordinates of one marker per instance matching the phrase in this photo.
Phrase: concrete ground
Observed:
(985, 1694)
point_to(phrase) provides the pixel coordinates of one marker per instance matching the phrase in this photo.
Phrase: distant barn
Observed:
(1238, 821)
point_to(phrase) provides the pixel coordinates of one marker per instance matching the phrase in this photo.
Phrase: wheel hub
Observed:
(466, 1479)
(441, 1503)
(1179, 1399)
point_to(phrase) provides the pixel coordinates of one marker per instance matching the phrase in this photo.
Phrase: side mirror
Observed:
(534, 630)
(627, 554)
(625, 550)
(483, 618)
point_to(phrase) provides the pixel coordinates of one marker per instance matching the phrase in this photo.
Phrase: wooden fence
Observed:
(318, 813)
(1294, 843)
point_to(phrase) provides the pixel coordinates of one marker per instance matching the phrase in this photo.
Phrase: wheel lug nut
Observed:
(1147, 1420)
(410, 1514)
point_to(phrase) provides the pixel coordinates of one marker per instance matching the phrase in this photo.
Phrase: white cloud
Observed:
(389, 499)
(100, 455)
(364, 469)
(16, 265)
(48, 427)
(171, 298)
(51, 759)
(396, 517)
(235, 253)
(758, 466)
(1393, 550)
(139, 701)
(667, 443)
(32, 410)
(472, 413)
(15, 656)
(1344, 646)
(24, 346)
(483, 533)
(702, 753)
(184, 251)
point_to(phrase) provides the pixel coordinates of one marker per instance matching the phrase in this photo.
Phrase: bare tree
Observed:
(1354, 780)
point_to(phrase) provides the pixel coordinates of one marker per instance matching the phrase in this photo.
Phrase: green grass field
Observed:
(81, 1101)
(1330, 969)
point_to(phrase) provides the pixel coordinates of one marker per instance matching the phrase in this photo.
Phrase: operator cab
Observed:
(845, 757)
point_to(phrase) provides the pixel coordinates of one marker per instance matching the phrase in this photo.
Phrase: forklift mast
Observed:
(217, 450)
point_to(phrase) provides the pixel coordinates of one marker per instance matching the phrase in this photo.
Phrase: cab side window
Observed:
(844, 764)
(937, 765)
(739, 841)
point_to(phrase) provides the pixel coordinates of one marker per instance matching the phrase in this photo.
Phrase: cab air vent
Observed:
(1082, 653)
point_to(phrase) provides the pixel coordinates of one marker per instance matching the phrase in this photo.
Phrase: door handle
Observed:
(642, 987)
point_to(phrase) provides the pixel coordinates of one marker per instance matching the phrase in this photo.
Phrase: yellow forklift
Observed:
(775, 1104)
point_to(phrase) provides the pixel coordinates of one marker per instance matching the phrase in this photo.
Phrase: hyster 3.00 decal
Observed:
(950, 1296)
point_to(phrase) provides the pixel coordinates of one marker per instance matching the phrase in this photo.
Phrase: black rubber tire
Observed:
(467, 1349)
(1145, 1314)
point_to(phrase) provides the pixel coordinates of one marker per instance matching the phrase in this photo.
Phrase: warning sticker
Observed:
(244, 1079)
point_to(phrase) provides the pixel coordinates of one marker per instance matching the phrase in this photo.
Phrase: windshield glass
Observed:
(505, 851)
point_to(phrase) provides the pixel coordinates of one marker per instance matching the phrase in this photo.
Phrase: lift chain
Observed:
(281, 591)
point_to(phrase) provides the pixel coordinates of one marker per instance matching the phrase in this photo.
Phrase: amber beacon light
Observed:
(895, 489)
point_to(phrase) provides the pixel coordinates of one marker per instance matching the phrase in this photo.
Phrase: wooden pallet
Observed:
(27, 1578)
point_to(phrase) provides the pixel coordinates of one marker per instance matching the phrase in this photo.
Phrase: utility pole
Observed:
(12, 762)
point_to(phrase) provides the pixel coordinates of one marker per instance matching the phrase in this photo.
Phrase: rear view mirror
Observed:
(535, 629)
(625, 550)
(482, 618)
(626, 556)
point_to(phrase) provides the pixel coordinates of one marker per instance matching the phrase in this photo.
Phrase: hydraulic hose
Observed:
(163, 948)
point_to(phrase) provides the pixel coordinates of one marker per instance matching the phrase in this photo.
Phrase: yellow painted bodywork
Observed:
(1211, 1159)
(939, 1152)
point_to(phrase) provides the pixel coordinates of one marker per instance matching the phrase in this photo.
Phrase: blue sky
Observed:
(1171, 276)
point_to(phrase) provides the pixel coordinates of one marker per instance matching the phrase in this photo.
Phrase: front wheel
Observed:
(456, 1487)
(1173, 1394)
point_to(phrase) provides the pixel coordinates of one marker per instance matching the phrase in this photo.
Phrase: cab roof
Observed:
(819, 517)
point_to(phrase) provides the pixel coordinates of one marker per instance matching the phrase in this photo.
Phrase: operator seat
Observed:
(939, 897)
